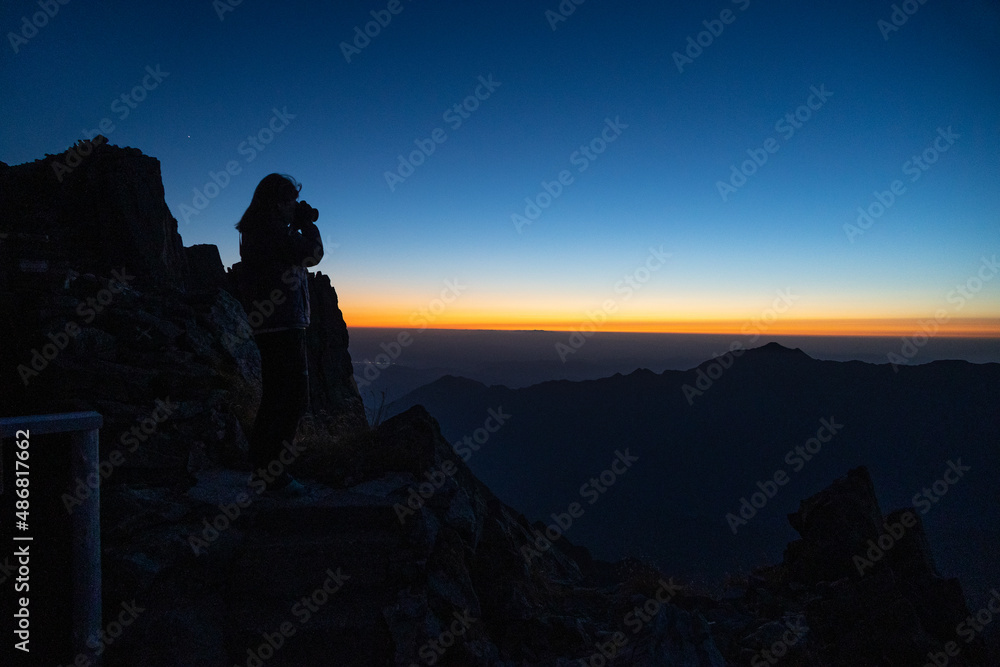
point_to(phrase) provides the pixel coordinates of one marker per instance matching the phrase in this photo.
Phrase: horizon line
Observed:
(972, 328)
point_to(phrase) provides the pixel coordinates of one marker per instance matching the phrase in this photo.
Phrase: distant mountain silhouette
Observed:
(456, 383)
(397, 380)
(705, 437)
(778, 348)
(399, 554)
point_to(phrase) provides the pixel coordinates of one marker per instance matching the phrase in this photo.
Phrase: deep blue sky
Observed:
(389, 252)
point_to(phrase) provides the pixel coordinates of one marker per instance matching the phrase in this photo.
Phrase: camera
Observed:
(304, 213)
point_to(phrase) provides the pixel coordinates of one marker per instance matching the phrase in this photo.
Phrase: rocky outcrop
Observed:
(205, 268)
(423, 565)
(333, 392)
(409, 561)
(332, 388)
(93, 209)
(870, 581)
(858, 588)
(102, 308)
(398, 555)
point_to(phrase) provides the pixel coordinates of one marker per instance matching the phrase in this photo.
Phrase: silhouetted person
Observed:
(278, 241)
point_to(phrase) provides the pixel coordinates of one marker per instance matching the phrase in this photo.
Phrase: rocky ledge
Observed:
(397, 555)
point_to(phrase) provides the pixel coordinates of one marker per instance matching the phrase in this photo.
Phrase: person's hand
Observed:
(304, 215)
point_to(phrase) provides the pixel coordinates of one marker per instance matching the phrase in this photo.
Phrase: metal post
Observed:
(86, 530)
(86, 519)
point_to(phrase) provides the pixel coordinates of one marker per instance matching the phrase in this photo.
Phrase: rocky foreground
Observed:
(398, 555)
(416, 562)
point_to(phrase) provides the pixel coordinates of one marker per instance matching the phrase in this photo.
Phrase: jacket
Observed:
(274, 280)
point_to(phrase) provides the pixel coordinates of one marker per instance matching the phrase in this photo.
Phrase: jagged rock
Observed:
(205, 270)
(413, 577)
(454, 584)
(105, 213)
(103, 308)
(833, 524)
(399, 555)
(331, 373)
(876, 589)
(332, 388)
(409, 581)
(681, 639)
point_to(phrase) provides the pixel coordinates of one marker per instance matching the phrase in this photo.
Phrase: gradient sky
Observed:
(391, 251)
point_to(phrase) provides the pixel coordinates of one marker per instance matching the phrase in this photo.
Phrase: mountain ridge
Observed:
(399, 553)
(769, 401)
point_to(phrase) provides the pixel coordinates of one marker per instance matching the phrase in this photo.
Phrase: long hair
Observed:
(262, 214)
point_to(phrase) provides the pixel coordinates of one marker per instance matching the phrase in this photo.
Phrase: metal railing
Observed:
(83, 428)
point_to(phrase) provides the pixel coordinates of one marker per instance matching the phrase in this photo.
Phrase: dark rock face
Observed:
(834, 526)
(331, 374)
(398, 555)
(431, 564)
(102, 308)
(878, 590)
(105, 213)
(333, 391)
(418, 558)
(126, 357)
(205, 267)
(904, 426)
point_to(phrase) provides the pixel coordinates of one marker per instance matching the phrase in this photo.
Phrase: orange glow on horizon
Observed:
(955, 327)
